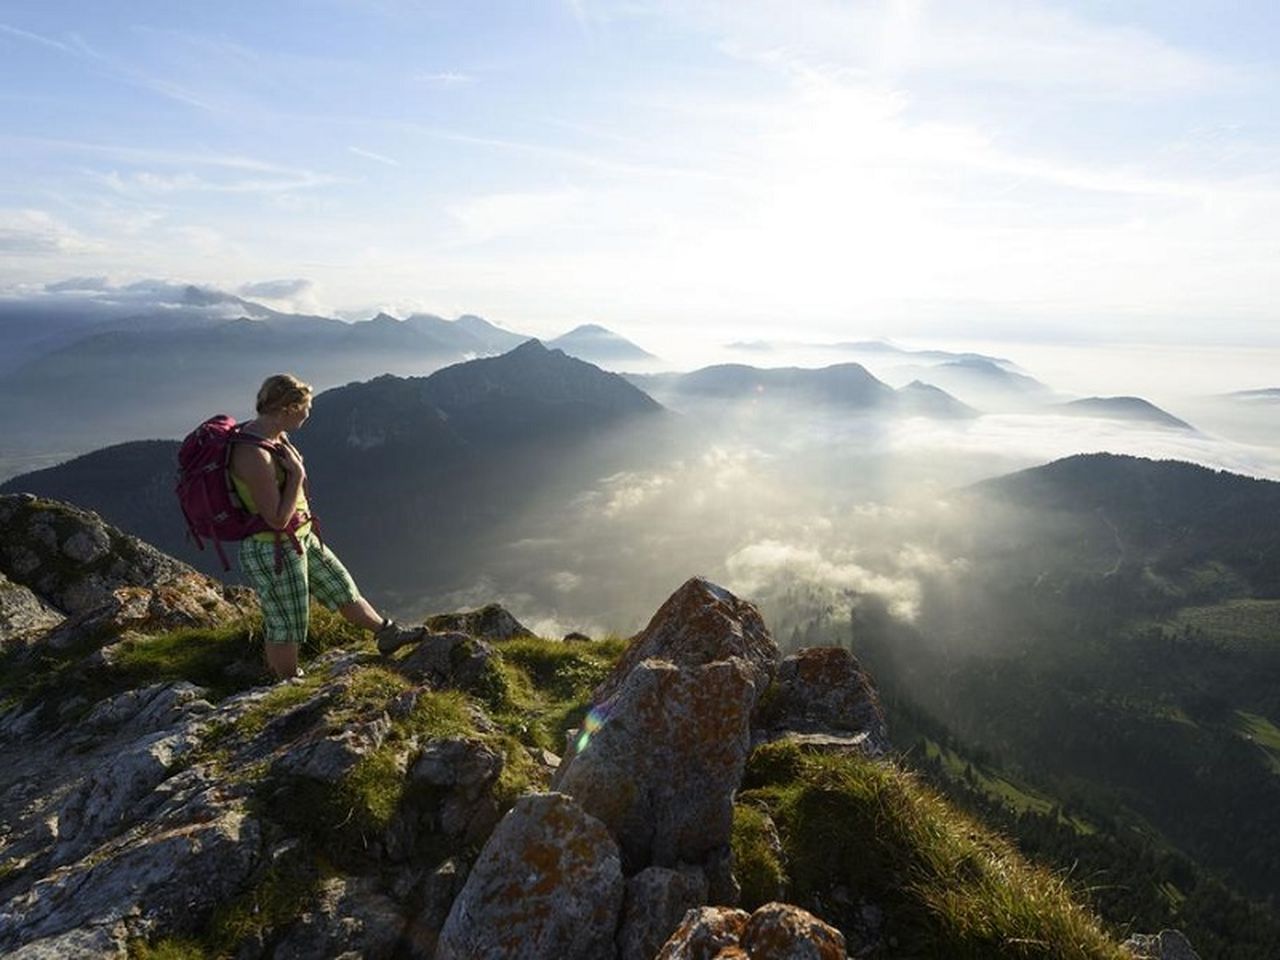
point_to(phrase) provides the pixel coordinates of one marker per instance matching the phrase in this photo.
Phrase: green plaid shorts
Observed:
(285, 595)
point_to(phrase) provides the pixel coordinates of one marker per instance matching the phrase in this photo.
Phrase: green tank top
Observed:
(242, 490)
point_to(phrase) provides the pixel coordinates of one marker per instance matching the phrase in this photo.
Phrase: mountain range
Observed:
(845, 386)
(452, 451)
(186, 350)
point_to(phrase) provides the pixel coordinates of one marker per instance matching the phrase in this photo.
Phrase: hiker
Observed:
(283, 570)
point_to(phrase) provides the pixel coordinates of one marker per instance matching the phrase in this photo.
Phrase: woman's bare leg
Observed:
(282, 659)
(361, 613)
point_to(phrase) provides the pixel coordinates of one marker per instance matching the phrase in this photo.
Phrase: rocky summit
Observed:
(483, 793)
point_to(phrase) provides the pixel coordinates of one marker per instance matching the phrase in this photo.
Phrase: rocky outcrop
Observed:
(823, 695)
(657, 900)
(1165, 945)
(23, 615)
(349, 917)
(665, 759)
(547, 886)
(75, 560)
(341, 813)
(491, 622)
(705, 933)
(698, 624)
(451, 659)
(462, 772)
(777, 931)
(180, 868)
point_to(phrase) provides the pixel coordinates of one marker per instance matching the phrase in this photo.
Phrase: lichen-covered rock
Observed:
(23, 615)
(190, 600)
(657, 900)
(147, 709)
(466, 770)
(119, 792)
(350, 916)
(75, 560)
(777, 931)
(491, 622)
(169, 876)
(547, 886)
(823, 690)
(330, 758)
(780, 931)
(86, 943)
(1165, 945)
(663, 762)
(698, 624)
(449, 660)
(704, 933)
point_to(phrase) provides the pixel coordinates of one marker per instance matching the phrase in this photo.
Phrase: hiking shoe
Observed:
(391, 636)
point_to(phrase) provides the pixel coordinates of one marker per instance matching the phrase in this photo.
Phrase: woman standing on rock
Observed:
(272, 484)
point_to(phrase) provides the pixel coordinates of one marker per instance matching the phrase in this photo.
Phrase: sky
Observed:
(931, 172)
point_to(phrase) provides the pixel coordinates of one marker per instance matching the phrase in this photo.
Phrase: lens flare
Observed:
(591, 725)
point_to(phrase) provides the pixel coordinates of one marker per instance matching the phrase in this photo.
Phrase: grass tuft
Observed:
(949, 887)
(756, 862)
(546, 686)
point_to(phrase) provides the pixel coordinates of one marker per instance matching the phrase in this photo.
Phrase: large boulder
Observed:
(700, 623)
(491, 622)
(547, 886)
(76, 560)
(777, 931)
(1165, 945)
(705, 933)
(661, 758)
(824, 691)
(461, 774)
(452, 659)
(657, 900)
(23, 615)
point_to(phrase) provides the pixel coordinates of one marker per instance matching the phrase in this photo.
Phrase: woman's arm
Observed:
(253, 465)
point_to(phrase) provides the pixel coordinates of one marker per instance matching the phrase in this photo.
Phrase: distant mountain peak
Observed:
(597, 344)
(1124, 408)
(533, 347)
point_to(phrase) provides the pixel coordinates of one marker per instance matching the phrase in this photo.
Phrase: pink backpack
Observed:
(208, 498)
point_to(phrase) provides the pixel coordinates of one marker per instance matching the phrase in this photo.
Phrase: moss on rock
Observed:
(757, 860)
(949, 887)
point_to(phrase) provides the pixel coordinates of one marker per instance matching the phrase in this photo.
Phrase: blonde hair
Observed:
(282, 392)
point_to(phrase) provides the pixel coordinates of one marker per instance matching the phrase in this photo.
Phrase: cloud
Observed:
(769, 566)
(370, 155)
(186, 181)
(448, 78)
(624, 493)
(564, 581)
(37, 38)
(37, 233)
(1014, 45)
(276, 289)
(95, 284)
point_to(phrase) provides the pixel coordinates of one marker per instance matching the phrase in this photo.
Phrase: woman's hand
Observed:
(291, 460)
